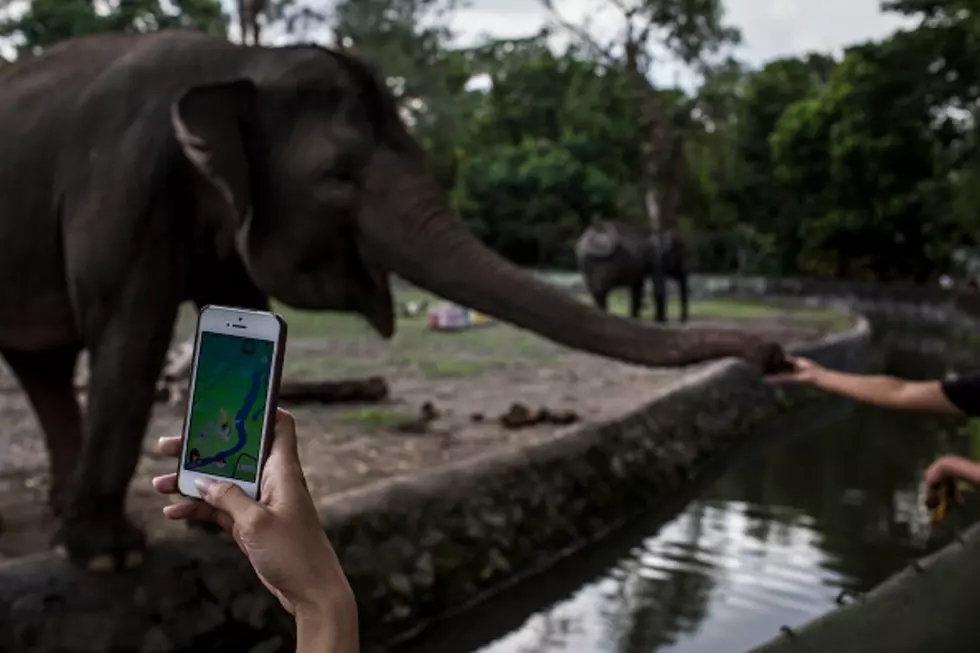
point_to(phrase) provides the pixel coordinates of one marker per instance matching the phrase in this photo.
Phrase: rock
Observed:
(520, 416)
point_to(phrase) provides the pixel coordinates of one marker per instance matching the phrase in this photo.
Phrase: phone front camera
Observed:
(239, 319)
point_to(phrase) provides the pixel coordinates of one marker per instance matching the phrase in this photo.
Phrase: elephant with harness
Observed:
(615, 254)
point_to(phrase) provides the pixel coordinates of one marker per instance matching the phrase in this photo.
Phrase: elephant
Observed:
(142, 171)
(613, 254)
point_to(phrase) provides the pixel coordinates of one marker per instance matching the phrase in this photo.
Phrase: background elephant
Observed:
(615, 254)
(140, 171)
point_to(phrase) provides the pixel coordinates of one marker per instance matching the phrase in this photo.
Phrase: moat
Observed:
(832, 505)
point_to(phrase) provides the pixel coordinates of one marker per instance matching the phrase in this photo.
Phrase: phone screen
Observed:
(228, 405)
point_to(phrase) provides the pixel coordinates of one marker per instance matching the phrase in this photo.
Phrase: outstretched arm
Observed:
(882, 390)
(887, 391)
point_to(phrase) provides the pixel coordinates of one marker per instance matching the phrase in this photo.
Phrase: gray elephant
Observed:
(141, 171)
(614, 254)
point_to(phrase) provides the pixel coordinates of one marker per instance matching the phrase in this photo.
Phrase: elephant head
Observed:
(327, 193)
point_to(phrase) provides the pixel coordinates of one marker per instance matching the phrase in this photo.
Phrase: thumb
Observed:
(229, 498)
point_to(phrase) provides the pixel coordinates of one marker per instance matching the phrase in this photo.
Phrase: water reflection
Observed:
(771, 543)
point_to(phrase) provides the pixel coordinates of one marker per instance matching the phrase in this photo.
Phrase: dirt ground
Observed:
(483, 371)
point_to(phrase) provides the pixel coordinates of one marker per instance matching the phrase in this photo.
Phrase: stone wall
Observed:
(417, 547)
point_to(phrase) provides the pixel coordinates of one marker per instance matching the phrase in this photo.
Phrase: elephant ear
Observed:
(208, 123)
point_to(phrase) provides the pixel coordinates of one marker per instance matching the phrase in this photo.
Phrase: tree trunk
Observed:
(665, 170)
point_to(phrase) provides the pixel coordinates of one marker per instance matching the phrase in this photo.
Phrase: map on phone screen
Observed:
(228, 406)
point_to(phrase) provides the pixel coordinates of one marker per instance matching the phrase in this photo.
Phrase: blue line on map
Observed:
(240, 417)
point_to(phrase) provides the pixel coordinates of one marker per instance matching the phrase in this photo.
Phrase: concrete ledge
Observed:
(417, 547)
(928, 606)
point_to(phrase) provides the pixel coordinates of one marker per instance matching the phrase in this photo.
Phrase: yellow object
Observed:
(948, 495)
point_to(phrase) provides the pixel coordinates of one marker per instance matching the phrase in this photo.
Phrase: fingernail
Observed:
(203, 485)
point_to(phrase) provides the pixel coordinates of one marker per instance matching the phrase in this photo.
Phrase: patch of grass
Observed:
(373, 418)
(733, 309)
(449, 368)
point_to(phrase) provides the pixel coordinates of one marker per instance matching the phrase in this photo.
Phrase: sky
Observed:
(770, 28)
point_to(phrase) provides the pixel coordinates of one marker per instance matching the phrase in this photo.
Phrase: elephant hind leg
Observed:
(636, 299)
(47, 378)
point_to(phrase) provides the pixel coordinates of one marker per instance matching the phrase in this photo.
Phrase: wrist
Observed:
(327, 622)
(818, 377)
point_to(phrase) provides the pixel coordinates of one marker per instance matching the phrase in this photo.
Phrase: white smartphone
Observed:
(231, 406)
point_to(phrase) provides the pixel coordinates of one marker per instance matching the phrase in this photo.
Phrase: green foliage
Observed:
(865, 164)
(554, 144)
(867, 167)
(46, 22)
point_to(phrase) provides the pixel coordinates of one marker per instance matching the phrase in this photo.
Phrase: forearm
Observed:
(332, 629)
(880, 390)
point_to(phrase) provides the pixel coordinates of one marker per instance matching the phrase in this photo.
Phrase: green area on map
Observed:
(228, 406)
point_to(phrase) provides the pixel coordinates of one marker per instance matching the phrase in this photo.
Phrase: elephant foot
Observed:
(100, 544)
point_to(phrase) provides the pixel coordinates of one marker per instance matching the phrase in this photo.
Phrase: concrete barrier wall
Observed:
(416, 547)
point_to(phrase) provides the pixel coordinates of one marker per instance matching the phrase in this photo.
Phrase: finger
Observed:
(170, 446)
(166, 484)
(284, 452)
(228, 498)
(285, 434)
(284, 459)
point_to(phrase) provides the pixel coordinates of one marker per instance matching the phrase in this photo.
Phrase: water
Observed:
(773, 542)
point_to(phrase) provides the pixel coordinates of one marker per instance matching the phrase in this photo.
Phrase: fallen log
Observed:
(370, 389)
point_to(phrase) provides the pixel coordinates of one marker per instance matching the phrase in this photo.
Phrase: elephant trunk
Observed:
(425, 243)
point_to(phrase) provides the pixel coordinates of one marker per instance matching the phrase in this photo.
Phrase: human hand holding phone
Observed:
(282, 537)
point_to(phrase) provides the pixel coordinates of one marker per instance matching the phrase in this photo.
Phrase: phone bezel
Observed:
(260, 325)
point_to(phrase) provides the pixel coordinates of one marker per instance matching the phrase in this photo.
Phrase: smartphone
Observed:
(231, 405)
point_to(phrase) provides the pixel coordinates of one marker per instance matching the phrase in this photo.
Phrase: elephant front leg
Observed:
(660, 297)
(126, 360)
(47, 378)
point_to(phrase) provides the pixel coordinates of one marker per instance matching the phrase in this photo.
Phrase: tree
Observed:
(552, 146)
(408, 41)
(688, 30)
(867, 169)
(749, 185)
